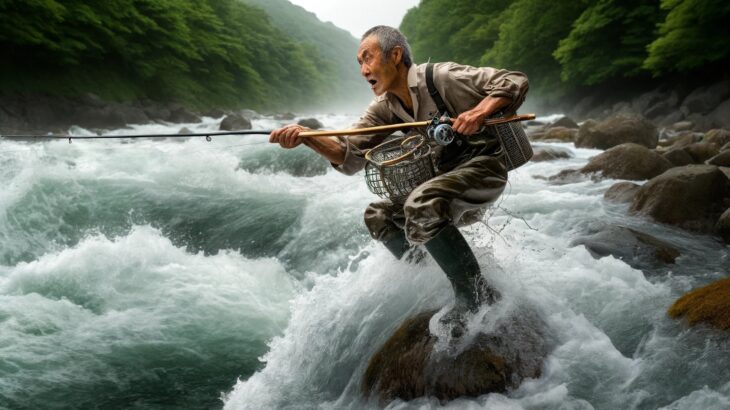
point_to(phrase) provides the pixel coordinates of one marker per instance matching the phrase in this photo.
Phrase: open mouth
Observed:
(372, 83)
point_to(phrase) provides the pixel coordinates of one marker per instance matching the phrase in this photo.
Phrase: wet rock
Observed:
(408, 366)
(627, 161)
(681, 139)
(184, 130)
(704, 99)
(182, 115)
(565, 122)
(157, 113)
(717, 136)
(692, 197)
(638, 249)
(622, 192)
(696, 153)
(285, 116)
(617, 130)
(550, 154)
(721, 160)
(723, 226)
(556, 134)
(708, 305)
(720, 116)
(234, 122)
(214, 113)
(567, 176)
(678, 157)
(312, 123)
(681, 126)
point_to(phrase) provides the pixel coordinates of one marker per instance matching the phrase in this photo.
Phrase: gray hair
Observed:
(390, 38)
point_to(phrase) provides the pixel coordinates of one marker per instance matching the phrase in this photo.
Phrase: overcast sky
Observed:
(356, 16)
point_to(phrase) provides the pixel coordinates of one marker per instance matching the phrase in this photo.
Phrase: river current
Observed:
(183, 273)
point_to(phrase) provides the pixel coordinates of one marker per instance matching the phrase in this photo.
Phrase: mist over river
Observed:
(182, 273)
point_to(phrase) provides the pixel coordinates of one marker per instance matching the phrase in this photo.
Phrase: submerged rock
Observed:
(709, 304)
(408, 366)
(638, 249)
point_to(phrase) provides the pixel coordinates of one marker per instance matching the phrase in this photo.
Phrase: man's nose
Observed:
(364, 70)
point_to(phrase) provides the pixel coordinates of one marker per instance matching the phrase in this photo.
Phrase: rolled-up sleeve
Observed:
(493, 82)
(357, 145)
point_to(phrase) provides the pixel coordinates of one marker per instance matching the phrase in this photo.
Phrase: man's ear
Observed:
(396, 55)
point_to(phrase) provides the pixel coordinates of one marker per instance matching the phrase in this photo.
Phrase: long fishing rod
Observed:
(435, 123)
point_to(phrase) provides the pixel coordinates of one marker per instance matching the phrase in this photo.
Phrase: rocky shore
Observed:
(672, 155)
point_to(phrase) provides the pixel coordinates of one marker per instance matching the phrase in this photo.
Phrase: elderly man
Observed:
(471, 172)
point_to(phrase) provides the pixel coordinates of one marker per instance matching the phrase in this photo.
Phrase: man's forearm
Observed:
(328, 147)
(490, 105)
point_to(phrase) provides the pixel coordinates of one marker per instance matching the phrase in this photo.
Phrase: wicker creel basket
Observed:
(517, 148)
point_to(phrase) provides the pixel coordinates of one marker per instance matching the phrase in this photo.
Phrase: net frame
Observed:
(396, 167)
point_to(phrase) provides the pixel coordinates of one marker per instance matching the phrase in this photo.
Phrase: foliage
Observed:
(337, 47)
(695, 32)
(527, 36)
(608, 40)
(207, 52)
(565, 45)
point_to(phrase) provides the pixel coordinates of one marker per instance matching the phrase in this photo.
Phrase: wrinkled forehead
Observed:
(369, 45)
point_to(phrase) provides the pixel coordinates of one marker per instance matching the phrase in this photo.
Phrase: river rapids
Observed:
(183, 273)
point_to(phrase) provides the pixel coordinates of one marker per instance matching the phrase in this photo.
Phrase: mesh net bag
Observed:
(398, 166)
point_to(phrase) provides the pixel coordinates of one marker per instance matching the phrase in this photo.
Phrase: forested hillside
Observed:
(337, 47)
(221, 53)
(569, 45)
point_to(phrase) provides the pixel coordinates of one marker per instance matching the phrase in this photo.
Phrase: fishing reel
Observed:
(440, 130)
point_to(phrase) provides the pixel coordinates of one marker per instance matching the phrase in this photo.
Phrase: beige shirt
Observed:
(462, 87)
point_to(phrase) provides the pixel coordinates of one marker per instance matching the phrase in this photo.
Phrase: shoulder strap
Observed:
(434, 92)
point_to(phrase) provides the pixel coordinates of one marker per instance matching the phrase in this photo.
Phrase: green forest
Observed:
(565, 45)
(270, 54)
(221, 53)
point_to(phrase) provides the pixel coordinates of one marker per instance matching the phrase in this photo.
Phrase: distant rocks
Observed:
(33, 113)
(312, 123)
(546, 153)
(708, 305)
(555, 134)
(234, 122)
(617, 130)
(408, 366)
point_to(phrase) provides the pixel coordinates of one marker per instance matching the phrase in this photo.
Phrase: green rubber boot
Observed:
(454, 256)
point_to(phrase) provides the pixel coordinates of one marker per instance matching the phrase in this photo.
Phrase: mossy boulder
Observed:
(409, 366)
(709, 305)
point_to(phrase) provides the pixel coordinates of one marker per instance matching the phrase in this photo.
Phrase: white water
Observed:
(105, 281)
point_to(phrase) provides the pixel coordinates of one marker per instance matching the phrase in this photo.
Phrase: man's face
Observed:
(381, 73)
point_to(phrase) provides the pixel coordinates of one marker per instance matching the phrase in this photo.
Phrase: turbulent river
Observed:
(232, 273)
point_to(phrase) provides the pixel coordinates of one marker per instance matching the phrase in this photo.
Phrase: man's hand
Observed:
(288, 136)
(469, 122)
